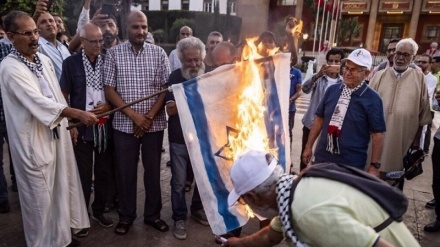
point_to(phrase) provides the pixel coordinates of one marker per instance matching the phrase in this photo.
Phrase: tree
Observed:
(348, 30)
(29, 6)
(177, 24)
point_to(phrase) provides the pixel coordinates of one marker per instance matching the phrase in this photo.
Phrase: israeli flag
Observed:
(207, 107)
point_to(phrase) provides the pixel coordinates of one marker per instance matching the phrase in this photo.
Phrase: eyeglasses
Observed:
(422, 62)
(391, 50)
(95, 42)
(403, 54)
(352, 70)
(28, 33)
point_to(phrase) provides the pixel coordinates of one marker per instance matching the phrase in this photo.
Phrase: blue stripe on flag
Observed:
(197, 109)
(273, 117)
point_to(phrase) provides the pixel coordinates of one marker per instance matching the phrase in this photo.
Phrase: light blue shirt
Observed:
(56, 54)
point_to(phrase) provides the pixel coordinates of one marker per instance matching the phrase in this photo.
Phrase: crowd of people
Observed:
(359, 116)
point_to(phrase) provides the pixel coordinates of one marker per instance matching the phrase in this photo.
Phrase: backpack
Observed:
(392, 200)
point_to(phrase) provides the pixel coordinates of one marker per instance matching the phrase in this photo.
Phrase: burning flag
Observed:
(225, 112)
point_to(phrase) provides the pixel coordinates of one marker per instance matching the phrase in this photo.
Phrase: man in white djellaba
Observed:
(36, 111)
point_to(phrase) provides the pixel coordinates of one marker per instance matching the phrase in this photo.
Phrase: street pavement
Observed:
(418, 192)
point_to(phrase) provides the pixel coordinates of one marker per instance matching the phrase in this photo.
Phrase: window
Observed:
(207, 6)
(146, 5)
(164, 5)
(233, 7)
(432, 33)
(185, 4)
(286, 2)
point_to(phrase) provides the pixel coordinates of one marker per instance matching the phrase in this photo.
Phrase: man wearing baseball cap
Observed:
(347, 116)
(323, 212)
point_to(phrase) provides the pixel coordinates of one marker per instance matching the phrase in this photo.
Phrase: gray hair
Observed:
(263, 190)
(408, 41)
(190, 43)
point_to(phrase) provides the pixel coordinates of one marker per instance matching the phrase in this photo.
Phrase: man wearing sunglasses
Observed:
(406, 106)
(82, 88)
(347, 116)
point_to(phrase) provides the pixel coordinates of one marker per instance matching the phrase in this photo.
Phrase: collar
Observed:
(339, 79)
(401, 74)
(45, 41)
(360, 91)
(144, 45)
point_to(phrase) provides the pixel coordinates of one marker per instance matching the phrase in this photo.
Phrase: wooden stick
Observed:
(122, 107)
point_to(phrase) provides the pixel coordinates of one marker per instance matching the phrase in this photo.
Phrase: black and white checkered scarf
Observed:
(337, 120)
(37, 69)
(94, 97)
(284, 185)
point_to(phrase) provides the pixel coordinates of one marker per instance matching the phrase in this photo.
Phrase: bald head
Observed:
(185, 32)
(91, 40)
(137, 28)
(89, 29)
(224, 53)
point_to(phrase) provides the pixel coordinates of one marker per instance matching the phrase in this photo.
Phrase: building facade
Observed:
(191, 5)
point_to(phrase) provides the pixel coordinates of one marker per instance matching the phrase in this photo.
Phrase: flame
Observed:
(250, 118)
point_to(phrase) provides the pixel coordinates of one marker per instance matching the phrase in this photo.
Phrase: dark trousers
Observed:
(436, 175)
(428, 135)
(3, 184)
(127, 148)
(93, 163)
(305, 137)
(291, 124)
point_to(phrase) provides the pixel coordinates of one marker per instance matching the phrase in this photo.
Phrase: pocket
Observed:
(42, 147)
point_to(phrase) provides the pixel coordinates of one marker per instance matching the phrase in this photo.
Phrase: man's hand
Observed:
(41, 7)
(141, 121)
(306, 156)
(74, 135)
(138, 132)
(87, 118)
(232, 242)
(99, 19)
(323, 71)
(101, 108)
(373, 170)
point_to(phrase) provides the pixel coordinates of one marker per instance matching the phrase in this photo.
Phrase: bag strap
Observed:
(384, 224)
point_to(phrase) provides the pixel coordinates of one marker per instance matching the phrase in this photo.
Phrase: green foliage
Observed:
(229, 26)
(29, 6)
(348, 29)
(177, 24)
(159, 35)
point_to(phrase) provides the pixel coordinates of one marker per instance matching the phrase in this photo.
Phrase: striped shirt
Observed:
(135, 76)
(5, 49)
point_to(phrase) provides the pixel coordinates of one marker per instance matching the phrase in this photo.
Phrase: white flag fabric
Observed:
(207, 107)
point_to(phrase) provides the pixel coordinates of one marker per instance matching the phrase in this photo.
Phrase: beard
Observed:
(108, 37)
(190, 73)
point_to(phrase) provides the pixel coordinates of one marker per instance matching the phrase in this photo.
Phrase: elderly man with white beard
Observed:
(323, 212)
(191, 52)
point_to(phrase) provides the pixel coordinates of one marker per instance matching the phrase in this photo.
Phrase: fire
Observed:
(250, 118)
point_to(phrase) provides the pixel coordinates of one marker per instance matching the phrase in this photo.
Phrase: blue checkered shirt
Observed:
(135, 76)
(5, 49)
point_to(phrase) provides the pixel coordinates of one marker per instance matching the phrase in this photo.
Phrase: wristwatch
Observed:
(375, 165)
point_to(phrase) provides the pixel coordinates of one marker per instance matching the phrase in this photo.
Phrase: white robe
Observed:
(49, 186)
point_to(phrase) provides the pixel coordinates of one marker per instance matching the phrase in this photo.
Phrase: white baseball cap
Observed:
(249, 171)
(360, 57)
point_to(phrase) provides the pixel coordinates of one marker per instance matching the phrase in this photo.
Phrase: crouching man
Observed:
(324, 212)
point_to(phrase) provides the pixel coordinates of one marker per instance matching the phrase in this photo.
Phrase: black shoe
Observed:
(4, 207)
(430, 204)
(81, 233)
(74, 243)
(432, 227)
(169, 163)
(14, 186)
(103, 221)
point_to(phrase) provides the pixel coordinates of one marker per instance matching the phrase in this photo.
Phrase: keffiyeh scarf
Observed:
(94, 97)
(337, 120)
(284, 185)
(37, 69)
